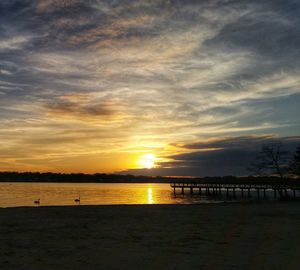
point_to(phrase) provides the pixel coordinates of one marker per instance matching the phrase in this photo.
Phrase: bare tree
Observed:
(271, 160)
(295, 164)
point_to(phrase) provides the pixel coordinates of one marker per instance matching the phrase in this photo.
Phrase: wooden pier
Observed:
(242, 190)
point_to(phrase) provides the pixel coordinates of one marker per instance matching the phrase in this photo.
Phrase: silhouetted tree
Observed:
(271, 160)
(295, 164)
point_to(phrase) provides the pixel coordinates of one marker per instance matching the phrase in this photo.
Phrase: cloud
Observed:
(146, 74)
(14, 43)
(84, 107)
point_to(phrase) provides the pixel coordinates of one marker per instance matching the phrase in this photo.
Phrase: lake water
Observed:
(24, 194)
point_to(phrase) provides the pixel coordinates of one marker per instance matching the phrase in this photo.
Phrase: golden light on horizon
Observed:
(147, 161)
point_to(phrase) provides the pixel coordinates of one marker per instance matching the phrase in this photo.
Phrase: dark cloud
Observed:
(270, 32)
(221, 157)
(83, 108)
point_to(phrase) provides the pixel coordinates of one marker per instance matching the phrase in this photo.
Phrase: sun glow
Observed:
(147, 161)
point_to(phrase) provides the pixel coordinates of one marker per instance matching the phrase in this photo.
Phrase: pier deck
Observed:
(244, 189)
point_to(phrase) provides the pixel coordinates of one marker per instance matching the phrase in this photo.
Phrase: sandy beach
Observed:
(212, 236)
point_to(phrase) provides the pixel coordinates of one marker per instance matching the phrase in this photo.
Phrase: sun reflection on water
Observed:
(150, 196)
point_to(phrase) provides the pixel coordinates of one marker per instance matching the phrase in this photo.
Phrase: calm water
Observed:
(24, 194)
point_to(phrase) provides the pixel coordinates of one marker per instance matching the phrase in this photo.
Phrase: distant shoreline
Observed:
(37, 177)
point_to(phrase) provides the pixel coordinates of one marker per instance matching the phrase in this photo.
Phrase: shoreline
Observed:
(204, 203)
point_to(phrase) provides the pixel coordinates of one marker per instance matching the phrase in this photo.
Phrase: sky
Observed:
(194, 88)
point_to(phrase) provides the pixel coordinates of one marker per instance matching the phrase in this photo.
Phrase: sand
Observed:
(212, 236)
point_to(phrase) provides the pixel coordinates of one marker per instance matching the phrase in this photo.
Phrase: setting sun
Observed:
(147, 161)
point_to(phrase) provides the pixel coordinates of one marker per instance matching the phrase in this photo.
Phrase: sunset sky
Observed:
(189, 87)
